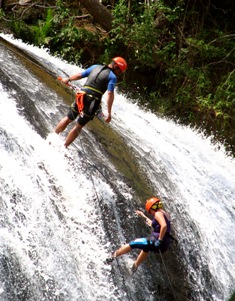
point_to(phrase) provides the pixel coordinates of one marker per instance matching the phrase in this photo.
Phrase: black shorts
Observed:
(91, 105)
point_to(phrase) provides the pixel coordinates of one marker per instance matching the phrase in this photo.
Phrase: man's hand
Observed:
(108, 118)
(65, 80)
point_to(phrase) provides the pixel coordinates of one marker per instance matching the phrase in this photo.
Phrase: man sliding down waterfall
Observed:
(100, 78)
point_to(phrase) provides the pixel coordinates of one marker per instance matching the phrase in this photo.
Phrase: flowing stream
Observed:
(63, 211)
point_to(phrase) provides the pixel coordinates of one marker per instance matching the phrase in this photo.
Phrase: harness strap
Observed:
(92, 96)
(93, 89)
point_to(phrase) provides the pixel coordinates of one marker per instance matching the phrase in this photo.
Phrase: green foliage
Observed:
(41, 31)
(2, 14)
(70, 43)
(139, 32)
(171, 13)
(143, 32)
(22, 31)
(35, 34)
(223, 100)
(225, 96)
(67, 40)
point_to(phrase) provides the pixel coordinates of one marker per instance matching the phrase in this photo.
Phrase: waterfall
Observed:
(64, 210)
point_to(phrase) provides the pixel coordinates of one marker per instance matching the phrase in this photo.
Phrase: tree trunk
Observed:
(99, 12)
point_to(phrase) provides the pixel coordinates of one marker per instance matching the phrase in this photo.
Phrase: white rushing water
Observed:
(29, 201)
(39, 180)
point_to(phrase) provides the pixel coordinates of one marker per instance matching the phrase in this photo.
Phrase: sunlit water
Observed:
(49, 219)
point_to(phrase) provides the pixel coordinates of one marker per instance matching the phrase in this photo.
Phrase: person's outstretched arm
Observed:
(147, 220)
(110, 99)
(76, 76)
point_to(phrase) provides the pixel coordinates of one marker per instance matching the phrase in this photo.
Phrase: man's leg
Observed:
(73, 134)
(62, 125)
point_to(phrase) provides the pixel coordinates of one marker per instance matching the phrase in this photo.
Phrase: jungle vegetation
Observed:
(180, 53)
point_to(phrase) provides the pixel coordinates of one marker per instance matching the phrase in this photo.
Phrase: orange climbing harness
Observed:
(79, 100)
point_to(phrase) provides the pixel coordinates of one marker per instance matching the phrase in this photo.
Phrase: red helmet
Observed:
(121, 63)
(150, 202)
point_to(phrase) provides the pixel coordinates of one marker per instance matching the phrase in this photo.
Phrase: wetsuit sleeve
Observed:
(112, 80)
(86, 72)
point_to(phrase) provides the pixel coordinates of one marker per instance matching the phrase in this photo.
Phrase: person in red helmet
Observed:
(100, 78)
(159, 239)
